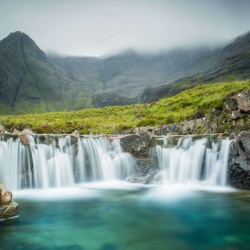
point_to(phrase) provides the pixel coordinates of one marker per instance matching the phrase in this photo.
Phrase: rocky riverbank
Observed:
(8, 207)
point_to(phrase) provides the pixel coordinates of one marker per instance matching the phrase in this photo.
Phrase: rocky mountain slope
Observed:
(131, 70)
(30, 82)
(225, 64)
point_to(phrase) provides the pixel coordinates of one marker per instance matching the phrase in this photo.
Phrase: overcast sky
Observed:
(98, 27)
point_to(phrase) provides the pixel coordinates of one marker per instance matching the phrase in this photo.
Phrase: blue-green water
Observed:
(129, 217)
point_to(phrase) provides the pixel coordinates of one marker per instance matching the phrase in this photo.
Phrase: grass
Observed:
(184, 106)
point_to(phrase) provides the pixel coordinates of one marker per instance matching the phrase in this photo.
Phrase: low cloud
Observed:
(98, 27)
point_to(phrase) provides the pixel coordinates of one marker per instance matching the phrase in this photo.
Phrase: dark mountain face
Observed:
(30, 82)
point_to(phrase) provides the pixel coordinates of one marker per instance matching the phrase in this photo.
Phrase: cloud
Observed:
(96, 27)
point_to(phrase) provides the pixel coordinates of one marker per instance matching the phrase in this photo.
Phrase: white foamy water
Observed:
(62, 163)
(68, 161)
(191, 162)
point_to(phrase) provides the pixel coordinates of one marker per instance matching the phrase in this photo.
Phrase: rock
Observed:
(24, 139)
(243, 101)
(8, 211)
(235, 114)
(16, 132)
(75, 134)
(8, 208)
(135, 143)
(230, 105)
(24, 136)
(239, 161)
(2, 129)
(245, 139)
(5, 197)
(216, 111)
(27, 132)
(136, 179)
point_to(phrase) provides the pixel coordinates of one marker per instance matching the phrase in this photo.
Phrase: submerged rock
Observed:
(8, 208)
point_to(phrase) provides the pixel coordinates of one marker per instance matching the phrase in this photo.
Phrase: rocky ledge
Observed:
(8, 208)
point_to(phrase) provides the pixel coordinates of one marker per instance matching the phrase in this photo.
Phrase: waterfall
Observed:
(62, 162)
(192, 162)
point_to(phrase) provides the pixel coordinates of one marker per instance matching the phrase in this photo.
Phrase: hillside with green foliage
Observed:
(186, 105)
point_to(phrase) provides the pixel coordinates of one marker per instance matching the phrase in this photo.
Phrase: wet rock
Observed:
(8, 208)
(24, 136)
(16, 132)
(135, 143)
(6, 198)
(8, 211)
(239, 162)
(75, 134)
(2, 129)
(245, 139)
(24, 139)
(5, 195)
(27, 132)
(136, 179)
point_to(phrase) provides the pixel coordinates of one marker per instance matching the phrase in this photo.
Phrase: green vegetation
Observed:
(183, 106)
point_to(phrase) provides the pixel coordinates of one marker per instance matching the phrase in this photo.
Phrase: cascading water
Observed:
(192, 162)
(62, 162)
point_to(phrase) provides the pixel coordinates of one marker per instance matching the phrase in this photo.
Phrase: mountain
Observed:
(129, 73)
(225, 64)
(30, 82)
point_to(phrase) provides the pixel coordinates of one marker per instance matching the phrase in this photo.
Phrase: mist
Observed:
(96, 28)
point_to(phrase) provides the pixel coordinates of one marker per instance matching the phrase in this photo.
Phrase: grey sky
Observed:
(97, 27)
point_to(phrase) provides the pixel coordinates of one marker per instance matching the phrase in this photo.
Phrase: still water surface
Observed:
(119, 216)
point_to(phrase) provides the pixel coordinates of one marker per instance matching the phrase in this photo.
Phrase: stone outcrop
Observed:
(239, 162)
(138, 145)
(2, 129)
(8, 208)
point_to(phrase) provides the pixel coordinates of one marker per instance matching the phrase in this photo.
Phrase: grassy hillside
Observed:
(183, 106)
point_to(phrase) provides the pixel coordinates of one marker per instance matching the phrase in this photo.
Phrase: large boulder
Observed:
(9, 211)
(8, 208)
(239, 161)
